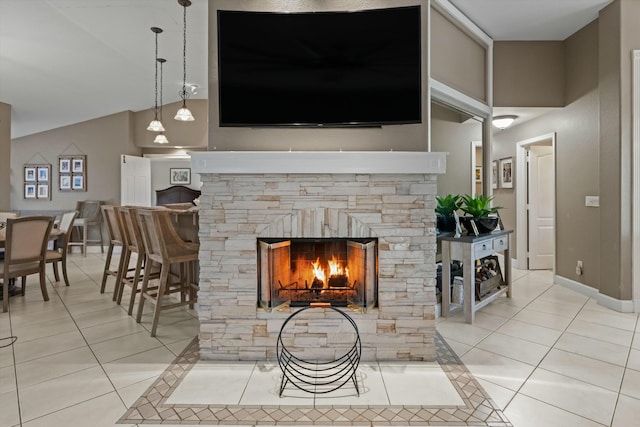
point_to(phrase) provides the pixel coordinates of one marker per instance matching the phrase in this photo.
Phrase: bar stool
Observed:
(163, 246)
(89, 215)
(114, 229)
(133, 244)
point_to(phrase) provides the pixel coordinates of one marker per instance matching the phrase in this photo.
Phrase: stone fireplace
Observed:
(251, 200)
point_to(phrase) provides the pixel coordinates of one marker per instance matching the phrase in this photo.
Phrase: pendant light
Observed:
(161, 138)
(183, 113)
(156, 125)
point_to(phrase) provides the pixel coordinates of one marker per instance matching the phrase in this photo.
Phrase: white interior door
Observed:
(541, 233)
(135, 181)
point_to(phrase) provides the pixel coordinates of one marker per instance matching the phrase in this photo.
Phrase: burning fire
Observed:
(335, 269)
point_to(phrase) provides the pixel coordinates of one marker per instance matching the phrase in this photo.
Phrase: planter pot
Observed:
(484, 225)
(445, 223)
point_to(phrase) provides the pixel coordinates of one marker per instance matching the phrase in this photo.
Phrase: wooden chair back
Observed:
(27, 239)
(131, 229)
(114, 225)
(66, 223)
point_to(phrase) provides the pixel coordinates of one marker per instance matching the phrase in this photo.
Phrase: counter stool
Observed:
(163, 246)
(133, 244)
(114, 229)
(89, 215)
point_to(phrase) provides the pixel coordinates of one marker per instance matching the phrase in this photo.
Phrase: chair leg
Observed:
(143, 291)
(107, 265)
(43, 285)
(56, 274)
(134, 283)
(123, 269)
(24, 285)
(85, 230)
(101, 246)
(162, 289)
(64, 271)
(5, 295)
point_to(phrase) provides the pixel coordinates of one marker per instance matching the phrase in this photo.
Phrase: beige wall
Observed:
(5, 156)
(180, 134)
(452, 133)
(457, 60)
(528, 74)
(412, 137)
(619, 35)
(577, 163)
(103, 140)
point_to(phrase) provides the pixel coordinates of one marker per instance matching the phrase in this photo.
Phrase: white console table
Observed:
(468, 249)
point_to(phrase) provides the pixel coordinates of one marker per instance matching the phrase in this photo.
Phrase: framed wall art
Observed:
(506, 172)
(180, 176)
(494, 174)
(36, 181)
(72, 172)
(29, 173)
(30, 191)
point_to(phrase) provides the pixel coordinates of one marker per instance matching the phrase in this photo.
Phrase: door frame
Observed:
(474, 159)
(635, 202)
(521, 189)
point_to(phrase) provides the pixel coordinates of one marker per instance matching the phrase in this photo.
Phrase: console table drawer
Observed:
(483, 249)
(500, 243)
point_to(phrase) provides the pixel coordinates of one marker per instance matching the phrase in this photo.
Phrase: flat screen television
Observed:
(330, 69)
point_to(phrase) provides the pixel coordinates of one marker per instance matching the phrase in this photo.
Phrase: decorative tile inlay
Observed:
(479, 409)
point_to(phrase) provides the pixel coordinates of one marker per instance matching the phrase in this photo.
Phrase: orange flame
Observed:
(317, 270)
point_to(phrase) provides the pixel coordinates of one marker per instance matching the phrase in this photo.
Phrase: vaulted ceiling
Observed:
(67, 61)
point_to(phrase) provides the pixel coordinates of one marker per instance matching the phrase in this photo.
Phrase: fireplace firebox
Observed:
(341, 272)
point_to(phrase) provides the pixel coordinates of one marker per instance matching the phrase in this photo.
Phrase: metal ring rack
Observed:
(319, 377)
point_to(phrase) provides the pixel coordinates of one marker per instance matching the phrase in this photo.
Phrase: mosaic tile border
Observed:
(479, 409)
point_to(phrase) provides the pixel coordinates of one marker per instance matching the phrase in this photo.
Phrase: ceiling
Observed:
(67, 61)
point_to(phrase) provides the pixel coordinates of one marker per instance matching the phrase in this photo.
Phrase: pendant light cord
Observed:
(155, 110)
(184, 95)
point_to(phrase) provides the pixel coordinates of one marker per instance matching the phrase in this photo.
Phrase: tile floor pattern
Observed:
(548, 356)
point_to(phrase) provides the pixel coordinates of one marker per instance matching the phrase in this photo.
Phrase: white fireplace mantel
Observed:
(318, 162)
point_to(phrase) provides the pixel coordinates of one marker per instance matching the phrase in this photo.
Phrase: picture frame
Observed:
(30, 191)
(65, 182)
(77, 165)
(494, 174)
(43, 173)
(30, 173)
(43, 191)
(65, 165)
(77, 182)
(179, 176)
(478, 174)
(506, 172)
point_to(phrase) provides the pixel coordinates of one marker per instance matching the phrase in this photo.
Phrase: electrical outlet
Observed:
(579, 268)
(592, 201)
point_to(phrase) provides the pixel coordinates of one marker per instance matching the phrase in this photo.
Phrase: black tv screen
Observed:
(329, 69)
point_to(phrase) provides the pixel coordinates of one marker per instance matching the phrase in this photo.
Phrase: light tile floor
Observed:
(548, 356)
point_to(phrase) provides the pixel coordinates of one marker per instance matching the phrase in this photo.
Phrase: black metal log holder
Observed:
(314, 376)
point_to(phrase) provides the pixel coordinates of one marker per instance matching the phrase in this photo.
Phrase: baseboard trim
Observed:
(623, 306)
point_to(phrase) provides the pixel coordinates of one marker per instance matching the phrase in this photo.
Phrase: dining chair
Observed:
(25, 249)
(164, 246)
(58, 255)
(89, 215)
(114, 231)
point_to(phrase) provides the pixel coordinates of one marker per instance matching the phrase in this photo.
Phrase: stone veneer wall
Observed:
(236, 209)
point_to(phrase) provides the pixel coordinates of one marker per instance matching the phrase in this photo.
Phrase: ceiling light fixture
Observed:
(503, 122)
(161, 138)
(156, 125)
(183, 113)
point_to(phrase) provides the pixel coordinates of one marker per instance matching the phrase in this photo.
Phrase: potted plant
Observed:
(479, 209)
(447, 205)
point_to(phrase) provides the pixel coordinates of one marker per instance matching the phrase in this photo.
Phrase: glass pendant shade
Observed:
(184, 115)
(155, 126)
(161, 139)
